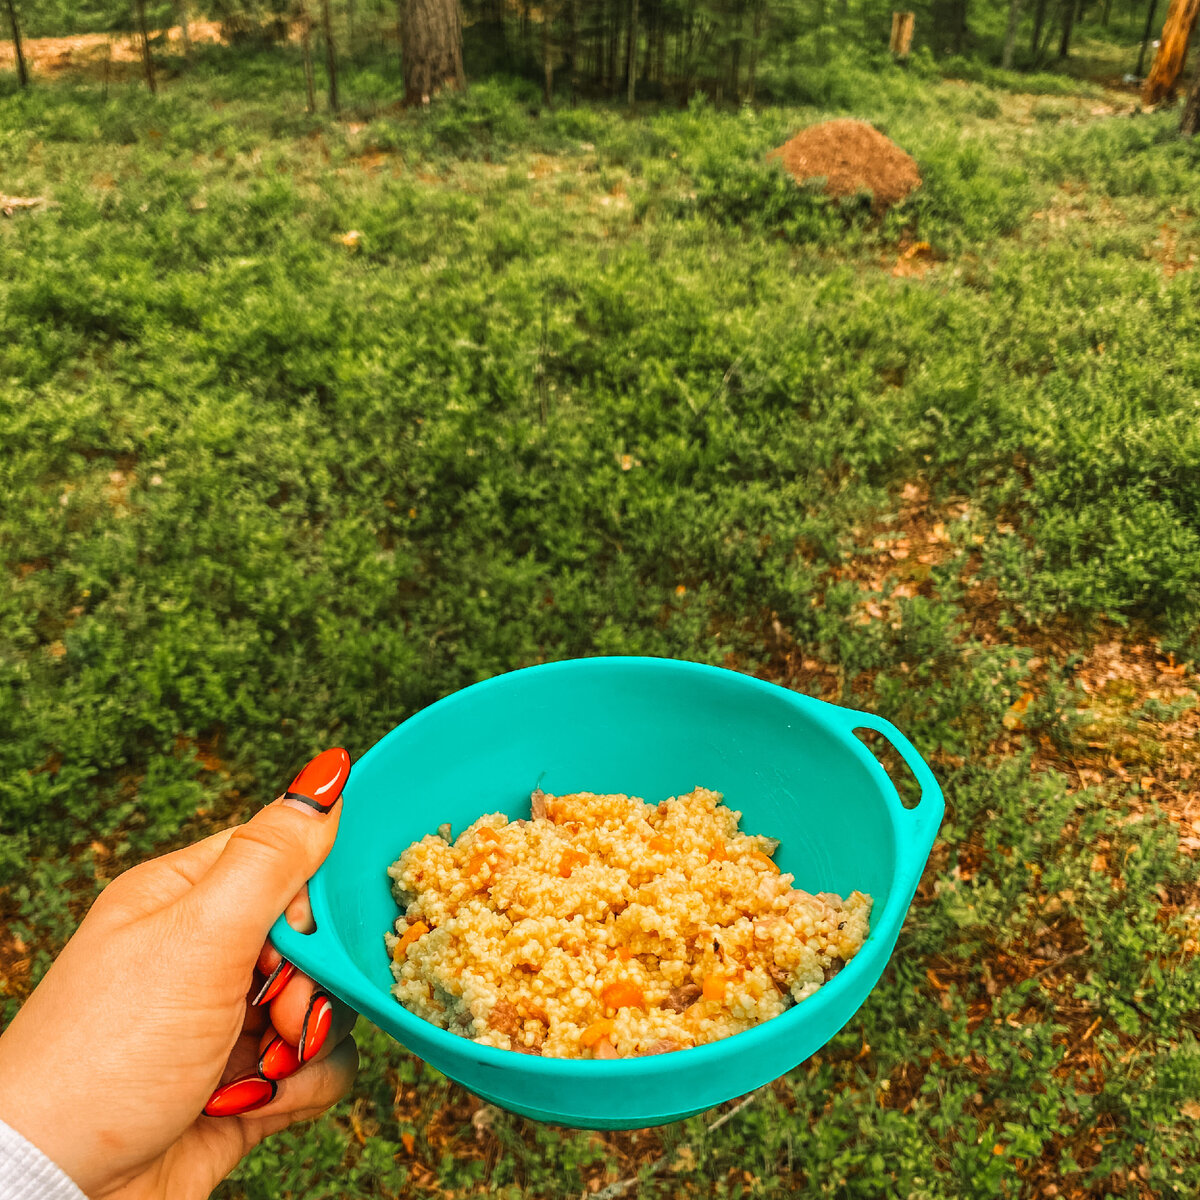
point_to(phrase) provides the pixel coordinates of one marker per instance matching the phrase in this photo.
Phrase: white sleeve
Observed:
(27, 1174)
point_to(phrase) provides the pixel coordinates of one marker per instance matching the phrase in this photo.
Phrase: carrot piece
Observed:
(417, 929)
(572, 859)
(759, 857)
(622, 952)
(623, 993)
(717, 853)
(713, 988)
(487, 834)
(491, 860)
(661, 843)
(597, 1030)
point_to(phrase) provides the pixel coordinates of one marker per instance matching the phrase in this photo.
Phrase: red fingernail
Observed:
(279, 1059)
(317, 1021)
(320, 783)
(275, 983)
(241, 1096)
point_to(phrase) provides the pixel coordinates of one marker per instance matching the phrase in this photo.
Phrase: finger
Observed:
(319, 1085)
(266, 1105)
(163, 880)
(193, 862)
(344, 1019)
(299, 1015)
(273, 972)
(266, 861)
(298, 913)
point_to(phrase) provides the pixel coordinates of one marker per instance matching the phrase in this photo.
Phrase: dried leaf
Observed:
(1012, 718)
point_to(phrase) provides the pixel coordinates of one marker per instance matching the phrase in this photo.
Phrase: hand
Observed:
(110, 1063)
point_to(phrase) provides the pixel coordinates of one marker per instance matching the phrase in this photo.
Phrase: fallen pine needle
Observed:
(10, 204)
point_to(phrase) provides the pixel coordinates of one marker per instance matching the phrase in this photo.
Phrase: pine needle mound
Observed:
(852, 157)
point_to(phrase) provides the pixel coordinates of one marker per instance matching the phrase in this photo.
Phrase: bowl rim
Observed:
(381, 1006)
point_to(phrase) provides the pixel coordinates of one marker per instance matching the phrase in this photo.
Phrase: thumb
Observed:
(268, 859)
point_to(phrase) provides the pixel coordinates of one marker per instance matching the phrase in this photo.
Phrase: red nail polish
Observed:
(317, 1021)
(279, 1059)
(241, 1096)
(275, 983)
(320, 783)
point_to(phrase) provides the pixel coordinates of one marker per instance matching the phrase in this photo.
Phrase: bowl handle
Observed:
(318, 954)
(924, 818)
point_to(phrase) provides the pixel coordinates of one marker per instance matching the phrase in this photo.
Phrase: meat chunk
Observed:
(505, 1019)
(662, 1046)
(782, 980)
(538, 805)
(682, 997)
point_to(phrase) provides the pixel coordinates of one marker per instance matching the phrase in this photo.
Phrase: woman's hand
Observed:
(146, 1023)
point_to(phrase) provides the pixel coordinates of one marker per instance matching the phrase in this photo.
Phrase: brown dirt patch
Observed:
(87, 53)
(852, 157)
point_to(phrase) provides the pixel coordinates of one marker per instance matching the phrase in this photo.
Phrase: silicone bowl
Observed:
(648, 727)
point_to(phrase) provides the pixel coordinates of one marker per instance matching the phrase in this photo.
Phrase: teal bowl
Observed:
(648, 727)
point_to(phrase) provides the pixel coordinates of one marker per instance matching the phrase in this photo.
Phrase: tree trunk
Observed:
(310, 89)
(431, 39)
(22, 70)
(1010, 36)
(547, 56)
(1172, 51)
(752, 67)
(1189, 123)
(633, 39)
(1039, 19)
(572, 47)
(330, 57)
(1141, 62)
(614, 46)
(1070, 12)
(185, 32)
(147, 59)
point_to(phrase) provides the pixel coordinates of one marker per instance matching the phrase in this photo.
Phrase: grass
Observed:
(307, 424)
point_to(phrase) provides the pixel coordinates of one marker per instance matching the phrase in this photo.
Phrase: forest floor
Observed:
(363, 410)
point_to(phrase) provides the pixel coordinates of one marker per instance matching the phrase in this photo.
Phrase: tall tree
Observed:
(431, 48)
(310, 91)
(632, 63)
(1039, 19)
(1141, 62)
(1172, 51)
(1070, 16)
(330, 56)
(1010, 36)
(22, 71)
(1189, 123)
(147, 57)
(185, 33)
